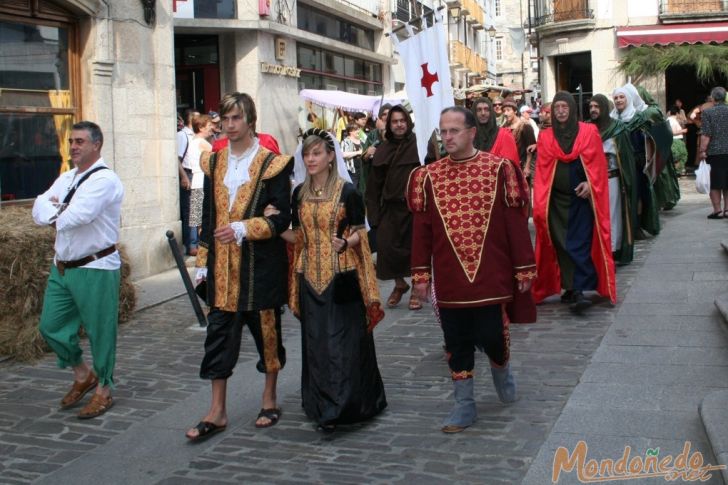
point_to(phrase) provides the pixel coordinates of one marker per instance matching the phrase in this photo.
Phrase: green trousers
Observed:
(88, 297)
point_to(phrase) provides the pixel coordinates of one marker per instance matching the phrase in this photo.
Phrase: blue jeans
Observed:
(192, 237)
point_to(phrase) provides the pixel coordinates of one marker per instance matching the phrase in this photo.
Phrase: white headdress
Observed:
(629, 111)
(299, 168)
(637, 101)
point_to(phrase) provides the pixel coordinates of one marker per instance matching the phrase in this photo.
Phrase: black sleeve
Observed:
(354, 205)
(295, 222)
(375, 184)
(528, 135)
(279, 195)
(208, 222)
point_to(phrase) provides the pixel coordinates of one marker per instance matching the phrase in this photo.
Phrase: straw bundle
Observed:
(26, 253)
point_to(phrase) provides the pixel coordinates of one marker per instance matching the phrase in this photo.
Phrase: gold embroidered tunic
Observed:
(316, 220)
(471, 230)
(251, 276)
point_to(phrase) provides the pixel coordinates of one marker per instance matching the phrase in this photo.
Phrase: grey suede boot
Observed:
(505, 383)
(463, 414)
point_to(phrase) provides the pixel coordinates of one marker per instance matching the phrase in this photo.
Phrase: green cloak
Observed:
(628, 187)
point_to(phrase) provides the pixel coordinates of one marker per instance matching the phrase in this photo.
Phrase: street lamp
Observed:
(454, 13)
(492, 31)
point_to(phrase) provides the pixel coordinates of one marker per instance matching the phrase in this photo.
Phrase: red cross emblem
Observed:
(428, 79)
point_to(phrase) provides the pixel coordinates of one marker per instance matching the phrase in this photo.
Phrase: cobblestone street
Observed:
(141, 440)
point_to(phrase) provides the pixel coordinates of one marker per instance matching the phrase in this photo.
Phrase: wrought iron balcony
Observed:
(691, 10)
(556, 11)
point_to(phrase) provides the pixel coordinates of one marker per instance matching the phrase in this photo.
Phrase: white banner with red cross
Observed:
(427, 79)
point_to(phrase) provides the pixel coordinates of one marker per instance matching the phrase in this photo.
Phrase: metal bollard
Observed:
(186, 279)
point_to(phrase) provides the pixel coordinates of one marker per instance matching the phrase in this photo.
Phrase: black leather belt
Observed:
(64, 265)
(613, 173)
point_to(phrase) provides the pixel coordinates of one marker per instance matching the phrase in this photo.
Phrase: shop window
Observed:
(337, 71)
(38, 98)
(317, 22)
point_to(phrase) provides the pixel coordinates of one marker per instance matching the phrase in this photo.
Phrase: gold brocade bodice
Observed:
(319, 219)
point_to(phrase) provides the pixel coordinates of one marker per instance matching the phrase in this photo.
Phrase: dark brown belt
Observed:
(613, 173)
(64, 265)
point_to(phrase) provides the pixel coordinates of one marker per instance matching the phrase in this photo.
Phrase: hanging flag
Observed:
(427, 79)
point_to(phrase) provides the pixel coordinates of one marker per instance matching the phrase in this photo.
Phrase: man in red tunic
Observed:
(571, 211)
(489, 137)
(470, 233)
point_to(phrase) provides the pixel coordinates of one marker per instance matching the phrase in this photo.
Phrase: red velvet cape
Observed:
(265, 140)
(505, 146)
(588, 146)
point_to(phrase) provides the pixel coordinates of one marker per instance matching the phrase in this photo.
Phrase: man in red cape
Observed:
(489, 137)
(571, 211)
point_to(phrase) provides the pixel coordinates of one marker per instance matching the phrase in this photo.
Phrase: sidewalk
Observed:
(633, 374)
(663, 355)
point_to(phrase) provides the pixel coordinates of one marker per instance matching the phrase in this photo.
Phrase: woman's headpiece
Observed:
(323, 134)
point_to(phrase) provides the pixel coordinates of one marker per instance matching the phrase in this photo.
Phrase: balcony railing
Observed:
(475, 13)
(552, 11)
(466, 58)
(693, 8)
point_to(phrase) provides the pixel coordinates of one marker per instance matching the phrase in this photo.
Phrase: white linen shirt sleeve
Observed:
(87, 204)
(240, 231)
(45, 211)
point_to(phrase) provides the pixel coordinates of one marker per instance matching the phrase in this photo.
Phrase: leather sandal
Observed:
(452, 429)
(271, 414)
(205, 429)
(415, 303)
(78, 390)
(96, 407)
(396, 296)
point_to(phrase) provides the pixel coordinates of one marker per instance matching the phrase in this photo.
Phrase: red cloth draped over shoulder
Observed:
(265, 140)
(588, 146)
(505, 146)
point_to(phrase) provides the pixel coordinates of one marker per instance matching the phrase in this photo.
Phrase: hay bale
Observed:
(26, 253)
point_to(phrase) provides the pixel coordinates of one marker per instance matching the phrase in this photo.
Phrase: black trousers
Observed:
(224, 333)
(466, 329)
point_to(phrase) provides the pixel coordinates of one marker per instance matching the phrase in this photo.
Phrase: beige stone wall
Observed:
(127, 71)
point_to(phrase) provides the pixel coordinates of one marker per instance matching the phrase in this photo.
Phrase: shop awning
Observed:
(673, 34)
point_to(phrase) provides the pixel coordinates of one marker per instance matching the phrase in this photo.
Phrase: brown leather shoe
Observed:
(97, 406)
(78, 390)
(396, 296)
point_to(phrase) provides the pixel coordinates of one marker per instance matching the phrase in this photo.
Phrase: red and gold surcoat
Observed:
(471, 230)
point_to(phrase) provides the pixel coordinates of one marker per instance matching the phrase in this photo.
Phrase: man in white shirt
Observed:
(84, 206)
(184, 137)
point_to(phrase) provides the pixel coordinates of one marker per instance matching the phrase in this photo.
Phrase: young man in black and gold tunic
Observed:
(243, 260)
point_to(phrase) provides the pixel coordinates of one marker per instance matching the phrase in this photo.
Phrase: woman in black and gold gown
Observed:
(333, 290)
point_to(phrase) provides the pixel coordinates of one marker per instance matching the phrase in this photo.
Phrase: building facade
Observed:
(63, 61)
(272, 50)
(130, 69)
(513, 58)
(582, 41)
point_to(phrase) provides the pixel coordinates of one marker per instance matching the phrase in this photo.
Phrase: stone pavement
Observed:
(631, 374)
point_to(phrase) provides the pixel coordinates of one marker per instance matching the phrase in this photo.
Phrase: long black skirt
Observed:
(340, 380)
